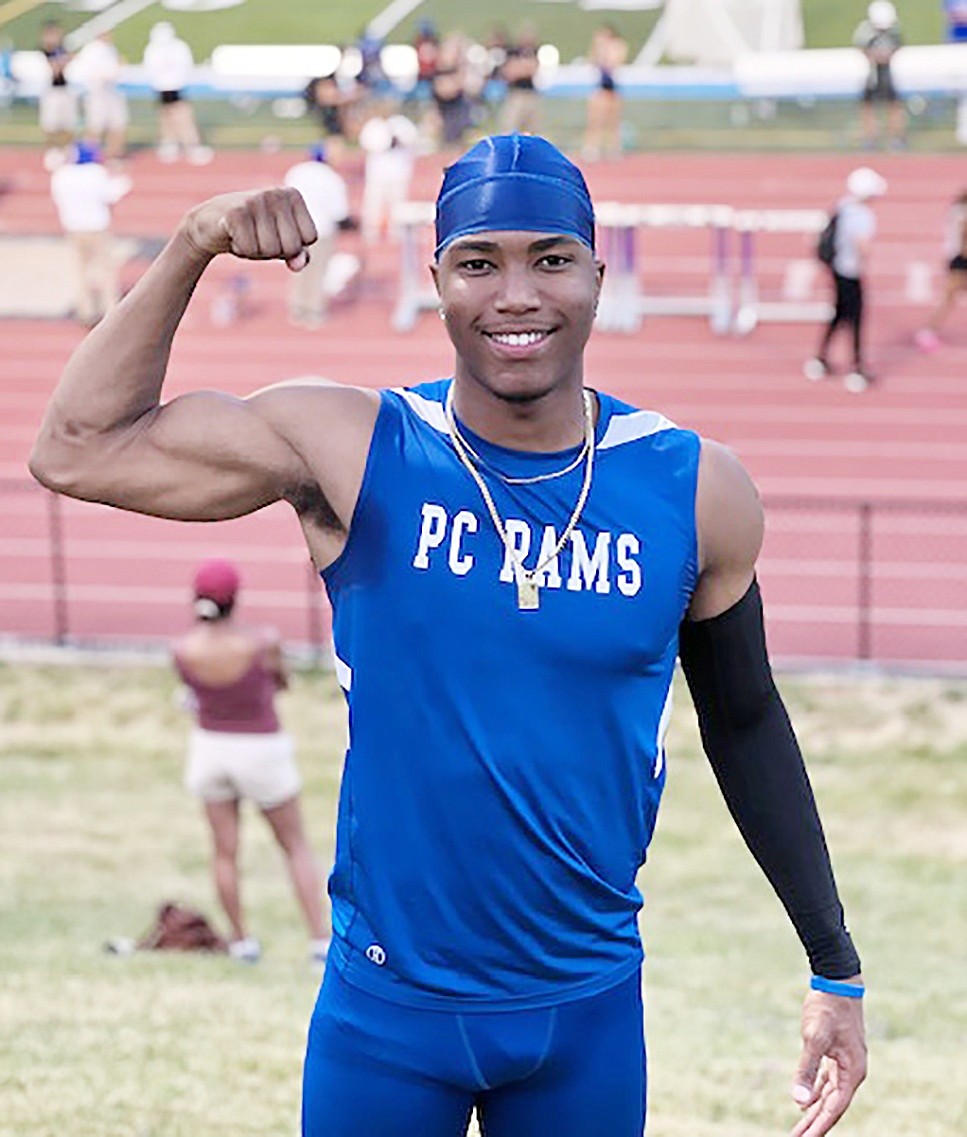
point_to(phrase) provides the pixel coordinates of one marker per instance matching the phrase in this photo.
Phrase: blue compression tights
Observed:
(384, 1070)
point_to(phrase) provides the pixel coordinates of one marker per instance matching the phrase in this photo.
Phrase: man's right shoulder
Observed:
(314, 400)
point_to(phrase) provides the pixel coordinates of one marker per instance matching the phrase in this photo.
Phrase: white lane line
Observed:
(801, 567)
(133, 547)
(116, 594)
(899, 617)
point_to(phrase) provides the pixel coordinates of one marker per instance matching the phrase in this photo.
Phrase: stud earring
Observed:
(441, 313)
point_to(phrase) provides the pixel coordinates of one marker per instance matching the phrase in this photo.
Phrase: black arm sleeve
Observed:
(756, 759)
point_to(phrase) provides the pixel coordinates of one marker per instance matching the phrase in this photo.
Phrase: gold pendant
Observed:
(528, 593)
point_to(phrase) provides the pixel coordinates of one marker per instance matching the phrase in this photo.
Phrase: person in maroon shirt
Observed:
(238, 749)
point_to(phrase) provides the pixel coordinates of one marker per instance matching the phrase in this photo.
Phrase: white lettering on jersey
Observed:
(518, 545)
(614, 559)
(460, 565)
(626, 548)
(550, 575)
(593, 569)
(432, 532)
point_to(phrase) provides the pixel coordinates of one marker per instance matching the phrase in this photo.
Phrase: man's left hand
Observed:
(833, 1062)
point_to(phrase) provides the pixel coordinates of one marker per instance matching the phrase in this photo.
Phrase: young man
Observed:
(855, 230)
(522, 550)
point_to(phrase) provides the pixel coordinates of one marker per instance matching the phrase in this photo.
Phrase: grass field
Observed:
(828, 23)
(96, 830)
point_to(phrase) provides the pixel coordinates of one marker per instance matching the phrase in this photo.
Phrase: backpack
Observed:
(826, 244)
(181, 929)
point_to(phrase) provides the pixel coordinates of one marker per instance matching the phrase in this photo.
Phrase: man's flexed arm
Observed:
(107, 437)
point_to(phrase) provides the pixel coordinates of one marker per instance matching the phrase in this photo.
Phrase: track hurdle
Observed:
(622, 243)
(626, 297)
(413, 221)
(751, 309)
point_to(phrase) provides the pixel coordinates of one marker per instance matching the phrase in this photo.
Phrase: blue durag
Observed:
(513, 182)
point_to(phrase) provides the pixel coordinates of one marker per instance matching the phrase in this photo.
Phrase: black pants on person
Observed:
(848, 312)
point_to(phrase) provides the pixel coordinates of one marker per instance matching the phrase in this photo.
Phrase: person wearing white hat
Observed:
(390, 146)
(854, 231)
(169, 66)
(98, 68)
(878, 37)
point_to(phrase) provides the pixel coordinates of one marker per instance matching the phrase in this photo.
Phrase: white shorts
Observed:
(105, 110)
(58, 110)
(225, 766)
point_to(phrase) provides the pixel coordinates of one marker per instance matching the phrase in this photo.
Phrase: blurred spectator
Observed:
(98, 68)
(855, 229)
(7, 84)
(390, 147)
(956, 14)
(327, 200)
(332, 105)
(239, 749)
(426, 44)
(84, 192)
(58, 101)
(609, 51)
(453, 106)
(371, 77)
(169, 65)
(521, 110)
(878, 37)
(955, 282)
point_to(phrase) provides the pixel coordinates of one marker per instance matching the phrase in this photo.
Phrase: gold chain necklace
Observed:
(528, 590)
(512, 481)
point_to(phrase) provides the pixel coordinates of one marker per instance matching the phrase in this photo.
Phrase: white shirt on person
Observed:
(390, 146)
(84, 194)
(169, 64)
(324, 193)
(856, 223)
(97, 66)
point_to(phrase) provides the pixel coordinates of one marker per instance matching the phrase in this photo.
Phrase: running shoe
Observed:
(815, 369)
(857, 381)
(248, 950)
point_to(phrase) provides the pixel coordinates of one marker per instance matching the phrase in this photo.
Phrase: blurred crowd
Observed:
(451, 90)
(384, 105)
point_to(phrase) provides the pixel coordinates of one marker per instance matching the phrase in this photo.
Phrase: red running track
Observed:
(814, 450)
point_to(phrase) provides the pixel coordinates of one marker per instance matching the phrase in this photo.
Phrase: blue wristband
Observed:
(836, 987)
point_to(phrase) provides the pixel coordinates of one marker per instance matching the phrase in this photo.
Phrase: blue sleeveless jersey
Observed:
(504, 767)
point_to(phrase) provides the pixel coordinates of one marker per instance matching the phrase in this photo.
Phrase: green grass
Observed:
(95, 830)
(648, 125)
(828, 23)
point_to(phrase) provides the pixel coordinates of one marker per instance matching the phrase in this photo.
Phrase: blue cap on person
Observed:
(513, 182)
(317, 152)
(86, 152)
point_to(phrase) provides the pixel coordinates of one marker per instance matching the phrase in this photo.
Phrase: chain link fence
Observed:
(844, 580)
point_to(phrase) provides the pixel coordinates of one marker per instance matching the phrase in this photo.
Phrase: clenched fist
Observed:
(263, 225)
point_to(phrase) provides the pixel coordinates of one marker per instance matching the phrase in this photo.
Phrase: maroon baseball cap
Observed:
(217, 580)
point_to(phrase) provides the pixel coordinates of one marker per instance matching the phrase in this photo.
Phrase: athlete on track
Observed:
(510, 557)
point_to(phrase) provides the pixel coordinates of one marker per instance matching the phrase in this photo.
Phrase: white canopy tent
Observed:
(718, 32)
